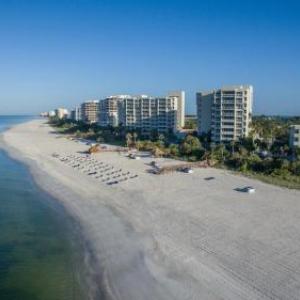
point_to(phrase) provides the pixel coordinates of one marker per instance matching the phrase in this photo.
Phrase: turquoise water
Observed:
(39, 259)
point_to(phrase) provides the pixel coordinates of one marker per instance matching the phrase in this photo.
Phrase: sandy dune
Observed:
(175, 236)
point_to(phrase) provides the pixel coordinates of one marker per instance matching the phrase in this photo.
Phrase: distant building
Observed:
(61, 113)
(190, 117)
(51, 113)
(191, 122)
(294, 133)
(225, 113)
(149, 114)
(75, 114)
(180, 107)
(44, 114)
(108, 110)
(90, 111)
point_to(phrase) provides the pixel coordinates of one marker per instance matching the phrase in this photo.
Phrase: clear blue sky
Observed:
(59, 53)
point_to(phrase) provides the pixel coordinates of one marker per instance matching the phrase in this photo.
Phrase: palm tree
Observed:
(232, 144)
(156, 152)
(222, 148)
(128, 139)
(134, 136)
(161, 138)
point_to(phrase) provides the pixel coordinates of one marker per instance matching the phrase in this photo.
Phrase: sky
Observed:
(61, 53)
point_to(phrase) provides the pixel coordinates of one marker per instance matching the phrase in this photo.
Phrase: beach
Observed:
(174, 236)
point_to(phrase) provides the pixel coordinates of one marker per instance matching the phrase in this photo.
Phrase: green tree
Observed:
(78, 133)
(219, 153)
(161, 138)
(297, 152)
(154, 135)
(249, 144)
(174, 150)
(190, 124)
(295, 168)
(129, 139)
(190, 145)
(134, 139)
(254, 162)
(232, 145)
(134, 136)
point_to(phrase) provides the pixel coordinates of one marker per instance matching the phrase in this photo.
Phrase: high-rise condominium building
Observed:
(148, 114)
(108, 110)
(226, 113)
(76, 114)
(294, 136)
(90, 111)
(180, 107)
(51, 113)
(61, 113)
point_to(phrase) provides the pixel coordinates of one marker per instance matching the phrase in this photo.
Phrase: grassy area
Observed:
(287, 181)
(290, 182)
(61, 130)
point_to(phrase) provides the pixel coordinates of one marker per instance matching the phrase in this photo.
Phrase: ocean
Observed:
(39, 256)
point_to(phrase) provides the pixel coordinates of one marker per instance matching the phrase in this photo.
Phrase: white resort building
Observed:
(61, 113)
(75, 114)
(143, 113)
(108, 110)
(148, 114)
(226, 113)
(294, 139)
(180, 107)
(90, 111)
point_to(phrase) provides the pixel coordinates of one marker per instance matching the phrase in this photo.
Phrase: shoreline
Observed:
(35, 227)
(99, 279)
(74, 224)
(171, 236)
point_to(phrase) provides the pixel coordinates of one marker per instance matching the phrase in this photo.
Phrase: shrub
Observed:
(174, 150)
(295, 168)
(190, 145)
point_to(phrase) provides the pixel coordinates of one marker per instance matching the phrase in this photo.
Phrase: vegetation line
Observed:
(264, 155)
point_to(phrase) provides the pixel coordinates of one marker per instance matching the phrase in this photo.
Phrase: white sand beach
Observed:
(175, 236)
